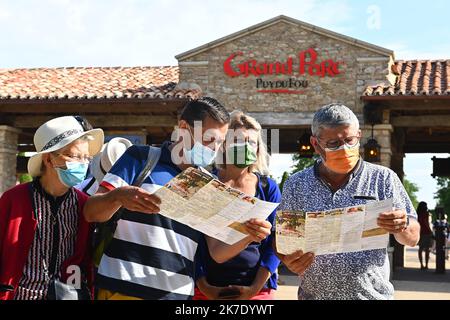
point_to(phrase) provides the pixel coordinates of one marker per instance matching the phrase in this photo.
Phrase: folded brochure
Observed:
(339, 230)
(205, 204)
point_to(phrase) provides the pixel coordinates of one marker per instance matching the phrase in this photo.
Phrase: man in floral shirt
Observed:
(333, 182)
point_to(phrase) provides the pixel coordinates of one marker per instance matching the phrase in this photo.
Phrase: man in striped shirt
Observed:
(151, 256)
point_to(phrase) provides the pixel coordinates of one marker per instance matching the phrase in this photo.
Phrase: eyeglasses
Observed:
(335, 144)
(76, 157)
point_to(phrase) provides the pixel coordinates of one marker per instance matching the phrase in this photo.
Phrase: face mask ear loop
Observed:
(53, 166)
(192, 136)
(324, 156)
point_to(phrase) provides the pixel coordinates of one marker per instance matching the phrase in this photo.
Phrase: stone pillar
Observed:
(9, 138)
(382, 133)
(398, 154)
(398, 141)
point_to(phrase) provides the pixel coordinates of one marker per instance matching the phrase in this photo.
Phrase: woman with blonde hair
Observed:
(252, 273)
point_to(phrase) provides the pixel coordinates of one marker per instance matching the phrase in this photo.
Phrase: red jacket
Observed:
(17, 229)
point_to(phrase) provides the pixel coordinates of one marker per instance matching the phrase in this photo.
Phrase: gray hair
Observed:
(331, 116)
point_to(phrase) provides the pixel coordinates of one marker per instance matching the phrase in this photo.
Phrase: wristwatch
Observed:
(407, 223)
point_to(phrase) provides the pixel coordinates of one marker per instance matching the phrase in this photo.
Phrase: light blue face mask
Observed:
(73, 175)
(200, 155)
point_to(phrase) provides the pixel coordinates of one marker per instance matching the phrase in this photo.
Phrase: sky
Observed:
(67, 33)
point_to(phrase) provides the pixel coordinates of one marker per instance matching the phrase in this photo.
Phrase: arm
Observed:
(257, 230)
(115, 190)
(222, 252)
(395, 222)
(260, 280)
(102, 206)
(411, 235)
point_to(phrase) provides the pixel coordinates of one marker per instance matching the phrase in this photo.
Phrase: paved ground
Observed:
(410, 283)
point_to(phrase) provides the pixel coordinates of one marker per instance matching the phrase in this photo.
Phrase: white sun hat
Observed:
(58, 133)
(111, 152)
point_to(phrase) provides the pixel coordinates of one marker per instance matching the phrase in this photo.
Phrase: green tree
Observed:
(412, 189)
(283, 180)
(443, 193)
(301, 163)
(23, 178)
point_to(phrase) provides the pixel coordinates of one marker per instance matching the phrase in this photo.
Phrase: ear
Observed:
(314, 143)
(183, 134)
(46, 160)
(317, 148)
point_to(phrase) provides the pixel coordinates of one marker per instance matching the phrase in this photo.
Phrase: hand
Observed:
(393, 221)
(137, 199)
(213, 292)
(298, 261)
(246, 292)
(258, 229)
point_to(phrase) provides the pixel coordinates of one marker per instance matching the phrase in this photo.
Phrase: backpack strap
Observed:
(265, 185)
(88, 185)
(154, 154)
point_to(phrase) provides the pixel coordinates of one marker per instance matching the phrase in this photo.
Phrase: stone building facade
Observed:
(279, 71)
(8, 155)
(282, 70)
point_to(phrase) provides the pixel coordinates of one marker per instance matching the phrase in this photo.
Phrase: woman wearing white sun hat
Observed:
(43, 234)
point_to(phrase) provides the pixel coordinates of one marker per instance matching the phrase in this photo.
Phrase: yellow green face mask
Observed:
(241, 155)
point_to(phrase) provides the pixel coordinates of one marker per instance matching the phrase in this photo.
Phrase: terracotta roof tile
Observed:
(416, 78)
(93, 83)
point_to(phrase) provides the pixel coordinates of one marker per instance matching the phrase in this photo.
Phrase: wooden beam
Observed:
(90, 107)
(427, 148)
(26, 148)
(110, 121)
(421, 121)
(287, 119)
(416, 104)
(425, 138)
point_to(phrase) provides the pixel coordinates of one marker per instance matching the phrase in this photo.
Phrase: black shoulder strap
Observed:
(265, 185)
(154, 154)
(89, 185)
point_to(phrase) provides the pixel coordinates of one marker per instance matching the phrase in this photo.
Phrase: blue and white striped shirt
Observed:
(150, 256)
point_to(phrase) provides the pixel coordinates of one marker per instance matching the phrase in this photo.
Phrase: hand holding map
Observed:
(334, 231)
(205, 204)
